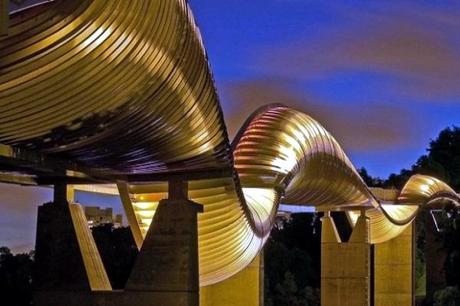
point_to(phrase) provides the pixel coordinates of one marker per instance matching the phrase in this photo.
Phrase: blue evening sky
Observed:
(382, 76)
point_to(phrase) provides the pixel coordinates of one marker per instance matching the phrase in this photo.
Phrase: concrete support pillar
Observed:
(60, 193)
(345, 266)
(57, 254)
(63, 193)
(393, 270)
(166, 270)
(66, 256)
(242, 289)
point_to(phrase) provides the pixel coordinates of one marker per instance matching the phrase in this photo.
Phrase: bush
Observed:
(450, 296)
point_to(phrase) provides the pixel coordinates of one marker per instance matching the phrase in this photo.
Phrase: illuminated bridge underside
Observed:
(125, 87)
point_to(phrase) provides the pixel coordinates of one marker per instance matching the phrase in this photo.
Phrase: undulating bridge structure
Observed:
(120, 92)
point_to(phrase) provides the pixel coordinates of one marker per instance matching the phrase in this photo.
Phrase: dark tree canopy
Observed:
(292, 262)
(15, 278)
(369, 180)
(118, 252)
(441, 161)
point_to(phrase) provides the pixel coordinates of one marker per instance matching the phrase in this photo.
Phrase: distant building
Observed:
(99, 216)
(281, 218)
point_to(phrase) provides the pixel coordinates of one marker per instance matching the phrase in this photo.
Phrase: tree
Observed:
(449, 296)
(445, 155)
(398, 180)
(118, 252)
(369, 180)
(15, 278)
(292, 262)
(442, 161)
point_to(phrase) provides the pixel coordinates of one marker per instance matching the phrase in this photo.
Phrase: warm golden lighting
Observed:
(424, 188)
(124, 94)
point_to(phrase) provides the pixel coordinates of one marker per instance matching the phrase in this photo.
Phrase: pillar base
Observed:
(166, 268)
(393, 276)
(58, 258)
(345, 266)
(66, 256)
(243, 289)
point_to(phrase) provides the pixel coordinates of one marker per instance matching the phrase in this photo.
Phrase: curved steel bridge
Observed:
(124, 87)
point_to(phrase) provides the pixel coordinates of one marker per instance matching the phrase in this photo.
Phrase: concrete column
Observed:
(393, 271)
(57, 254)
(243, 289)
(60, 193)
(63, 193)
(166, 270)
(66, 256)
(345, 266)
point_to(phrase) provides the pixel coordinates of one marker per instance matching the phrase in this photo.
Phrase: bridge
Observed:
(118, 92)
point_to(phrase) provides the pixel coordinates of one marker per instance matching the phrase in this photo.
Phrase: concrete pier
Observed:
(243, 289)
(345, 266)
(394, 270)
(66, 255)
(167, 266)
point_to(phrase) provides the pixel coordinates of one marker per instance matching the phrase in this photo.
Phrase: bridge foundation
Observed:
(243, 289)
(66, 256)
(393, 271)
(167, 265)
(165, 271)
(345, 266)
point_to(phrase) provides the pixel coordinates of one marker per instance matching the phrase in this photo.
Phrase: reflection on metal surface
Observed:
(117, 85)
(97, 276)
(388, 221)
(125, 87)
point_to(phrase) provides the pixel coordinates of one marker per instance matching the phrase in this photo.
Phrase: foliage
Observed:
(15, 278)
(118, 252)
(449, 296)
(442, 161)
(369, 180)
(420, 273)
(420, 261)
(292, 262)
(451, 242)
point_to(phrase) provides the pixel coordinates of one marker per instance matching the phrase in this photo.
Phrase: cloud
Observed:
(417, 47)
(18, 215)
(15, 199)
(357, 127)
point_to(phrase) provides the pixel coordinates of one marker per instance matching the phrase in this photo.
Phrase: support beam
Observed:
(66, 255)
(63, 194)
(243, 289)
(393, 266)
(95, 270)
(166, 269)
(345, 266)
(130, 215)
